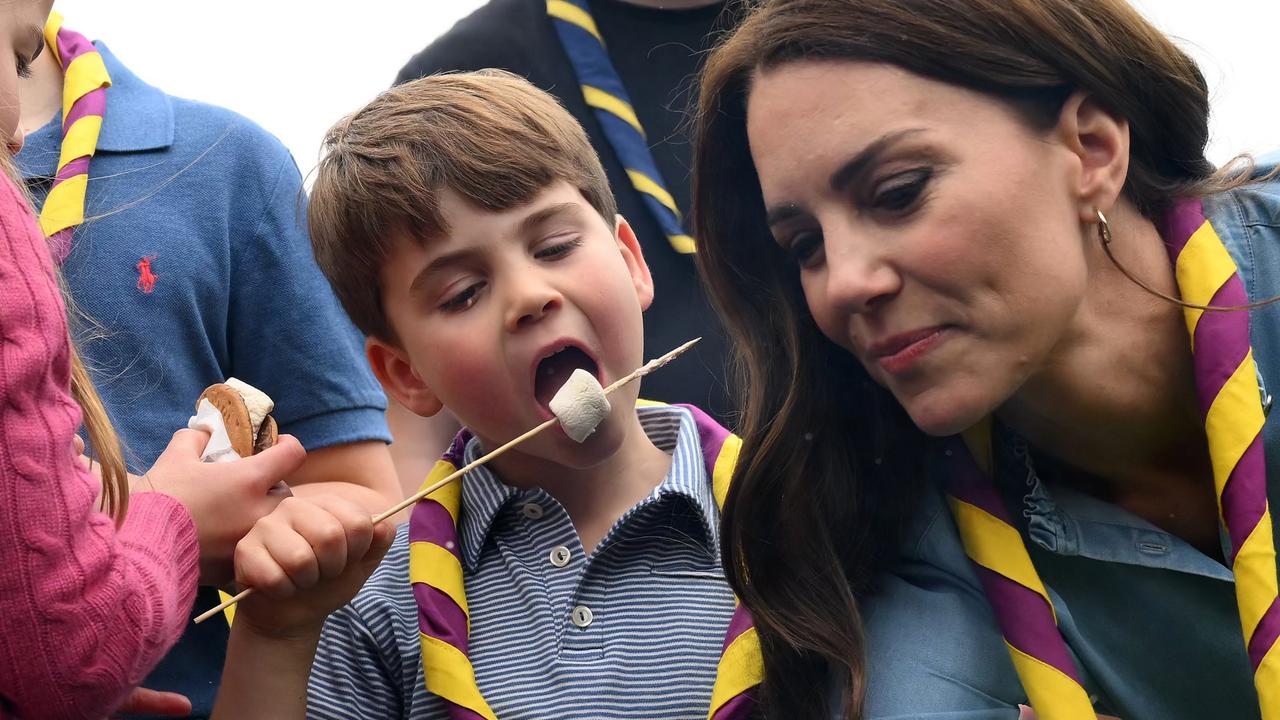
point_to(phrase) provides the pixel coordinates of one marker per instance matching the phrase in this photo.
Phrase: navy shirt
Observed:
(216, 204)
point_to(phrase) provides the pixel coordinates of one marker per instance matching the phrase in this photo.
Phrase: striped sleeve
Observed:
(355, 673)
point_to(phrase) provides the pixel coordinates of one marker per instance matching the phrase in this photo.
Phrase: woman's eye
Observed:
(558, 248)
(805, 248)
(464, 299)
(900, 192)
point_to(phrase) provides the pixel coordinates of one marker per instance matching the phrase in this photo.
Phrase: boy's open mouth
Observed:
(554, 370)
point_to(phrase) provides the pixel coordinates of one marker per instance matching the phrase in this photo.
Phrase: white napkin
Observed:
(208, 419)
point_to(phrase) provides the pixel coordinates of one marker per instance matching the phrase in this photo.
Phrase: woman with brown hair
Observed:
(1004, 365)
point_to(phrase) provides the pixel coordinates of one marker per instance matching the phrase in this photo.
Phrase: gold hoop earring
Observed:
(1104, 228)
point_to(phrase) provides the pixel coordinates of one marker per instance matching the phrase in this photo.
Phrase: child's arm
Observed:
(306, 559)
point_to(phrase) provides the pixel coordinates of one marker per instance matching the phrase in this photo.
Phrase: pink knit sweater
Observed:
(86, 609)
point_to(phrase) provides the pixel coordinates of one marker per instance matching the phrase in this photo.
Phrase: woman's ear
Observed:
(629, 246)
(391, 366)
(1099, 143)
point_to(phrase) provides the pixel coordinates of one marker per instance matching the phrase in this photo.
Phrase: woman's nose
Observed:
(857, 282)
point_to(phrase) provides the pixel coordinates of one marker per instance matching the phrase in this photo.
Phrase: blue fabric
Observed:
(591, 64)
(654, 584)
(1151, 620)
(217, 202)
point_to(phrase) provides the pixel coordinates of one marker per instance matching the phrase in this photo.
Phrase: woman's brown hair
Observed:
(831, 466)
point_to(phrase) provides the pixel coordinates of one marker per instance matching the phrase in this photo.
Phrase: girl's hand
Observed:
(305, 560)
(224, 499)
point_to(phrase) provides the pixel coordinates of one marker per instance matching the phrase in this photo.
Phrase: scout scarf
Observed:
(84, 98)
(602, 89)
(1227, 385)
(435, 573)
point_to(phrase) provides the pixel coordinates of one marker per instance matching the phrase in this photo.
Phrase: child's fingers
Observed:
(186, 444)
(357, 528)
(264, 470)
(258, 569)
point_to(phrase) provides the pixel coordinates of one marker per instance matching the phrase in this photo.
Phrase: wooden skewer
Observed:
(635, 375)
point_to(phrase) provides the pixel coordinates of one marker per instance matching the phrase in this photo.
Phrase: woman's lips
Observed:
(901, 353)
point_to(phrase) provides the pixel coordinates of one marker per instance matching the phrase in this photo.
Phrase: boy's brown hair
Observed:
(489, 136)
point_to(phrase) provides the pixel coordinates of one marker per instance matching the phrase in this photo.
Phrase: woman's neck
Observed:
(1117, 398)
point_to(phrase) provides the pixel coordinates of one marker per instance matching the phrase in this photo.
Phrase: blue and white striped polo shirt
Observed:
(633, 631)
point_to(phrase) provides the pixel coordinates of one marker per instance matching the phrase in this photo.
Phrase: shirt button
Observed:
(582, 616)
(560, 556)
(533, 511)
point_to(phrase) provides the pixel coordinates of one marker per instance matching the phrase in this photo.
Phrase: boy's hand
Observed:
(305, 560)
(224, 499)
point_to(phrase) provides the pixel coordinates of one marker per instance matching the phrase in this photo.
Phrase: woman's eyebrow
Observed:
(857, 167)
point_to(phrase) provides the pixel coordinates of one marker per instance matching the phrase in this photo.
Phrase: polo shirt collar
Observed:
(138, 116)
(673, 430)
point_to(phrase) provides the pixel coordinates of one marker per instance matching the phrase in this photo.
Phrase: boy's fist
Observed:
(305, 560)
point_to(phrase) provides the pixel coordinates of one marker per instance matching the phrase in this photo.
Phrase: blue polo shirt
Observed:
(216, 208)
(631, 631)
(1151, 621)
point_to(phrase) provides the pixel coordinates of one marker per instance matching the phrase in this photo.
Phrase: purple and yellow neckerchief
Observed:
(84, 99)
(435, 573)
(1230, 403)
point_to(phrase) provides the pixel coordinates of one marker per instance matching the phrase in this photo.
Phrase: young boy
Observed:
(466, 225)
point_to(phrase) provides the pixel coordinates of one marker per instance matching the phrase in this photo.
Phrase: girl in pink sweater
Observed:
(88, 605)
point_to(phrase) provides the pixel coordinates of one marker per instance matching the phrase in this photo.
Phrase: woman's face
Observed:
(21, 40)
(936, 234)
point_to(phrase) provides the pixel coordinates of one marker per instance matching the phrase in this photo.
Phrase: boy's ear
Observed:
(629, 246)
(1099, 141)
(392, 368)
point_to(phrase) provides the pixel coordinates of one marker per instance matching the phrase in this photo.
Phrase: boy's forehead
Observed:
(465, 219)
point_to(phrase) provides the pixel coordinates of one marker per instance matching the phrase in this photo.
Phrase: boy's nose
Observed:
(532, 306)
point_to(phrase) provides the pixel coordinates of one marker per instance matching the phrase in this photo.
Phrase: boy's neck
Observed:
(41, 94)
(597, 497)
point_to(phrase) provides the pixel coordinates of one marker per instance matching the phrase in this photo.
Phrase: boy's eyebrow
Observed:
(534, 219)
(438, 263)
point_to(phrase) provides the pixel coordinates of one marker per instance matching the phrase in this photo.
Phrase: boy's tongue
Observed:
(555, 370)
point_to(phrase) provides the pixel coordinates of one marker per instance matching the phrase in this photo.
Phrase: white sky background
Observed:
(296, 66)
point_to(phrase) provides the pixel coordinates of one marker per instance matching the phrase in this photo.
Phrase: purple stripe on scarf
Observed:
(60, 245)
(1244, 498)
(93, 102)
(1266, 634)
(79, 166)
(738, 624)
(72, 45)
(739, 708)
(710, 434)
(1026, 621)
(1222, 342)
(1180, 223)
(440, 617)
(967, 482)
(457, 712)
(431, 522)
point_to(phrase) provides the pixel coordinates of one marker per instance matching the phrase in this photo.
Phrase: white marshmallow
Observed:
(580, 404)
(259, 403)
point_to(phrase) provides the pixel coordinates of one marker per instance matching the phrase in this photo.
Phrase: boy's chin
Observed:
(595, 449)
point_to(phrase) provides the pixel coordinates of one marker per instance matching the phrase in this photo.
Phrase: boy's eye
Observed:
(900, 192)
(464, 299)
(558, 247)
